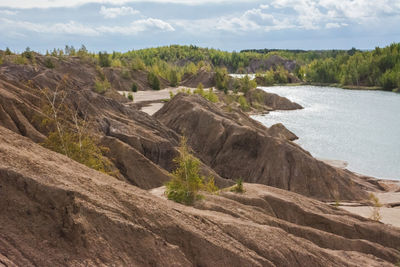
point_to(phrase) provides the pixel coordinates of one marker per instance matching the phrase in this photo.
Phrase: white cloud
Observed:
(74, 28)
(264, 6)
(8, 12)
(71, 27)
(114, 12)
(312, 14)
(72, 3)
(332, 25)
(251, 20)
(137, 27)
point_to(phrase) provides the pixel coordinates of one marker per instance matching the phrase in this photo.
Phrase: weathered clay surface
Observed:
(56, 212)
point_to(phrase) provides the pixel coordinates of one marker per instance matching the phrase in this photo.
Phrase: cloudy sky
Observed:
(123, 25)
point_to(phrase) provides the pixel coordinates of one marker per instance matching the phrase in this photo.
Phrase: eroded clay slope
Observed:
(56, 212)
(235, 150)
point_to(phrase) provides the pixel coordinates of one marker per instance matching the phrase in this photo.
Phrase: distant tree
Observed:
(153, 81)
(221, 78)
(104, 59)
(27, 53)
(173, 78)
(82, 52)
(8, 52)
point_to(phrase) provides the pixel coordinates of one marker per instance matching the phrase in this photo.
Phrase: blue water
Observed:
(359, 127)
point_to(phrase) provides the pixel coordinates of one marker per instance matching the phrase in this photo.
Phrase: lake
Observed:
(359, 127)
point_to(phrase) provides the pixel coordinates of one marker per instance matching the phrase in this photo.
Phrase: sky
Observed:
(122, 25)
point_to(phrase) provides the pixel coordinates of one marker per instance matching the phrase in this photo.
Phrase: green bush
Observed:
(48, 63)
(125, 74)
(221, 78)
(130, 96)
(238, 187)
(102, 86)
(20, 60)
(186, 181)
(209, 95)
(116, 63)
(153, 81)
(134, 87)
(104, 59)
(243, 103)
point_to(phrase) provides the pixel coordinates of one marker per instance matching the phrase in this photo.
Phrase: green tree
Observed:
(186, 181)
(153, 81)
(173, 78)
(104, 59)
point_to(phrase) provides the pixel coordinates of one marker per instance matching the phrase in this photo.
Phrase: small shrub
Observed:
(337, 204)
(171, 95)
(130, 96)
(100, 73)
(48, 63)
(134, 87)
(102, 86)
(116, 63)
(238, 187)
(243, 103)
(376, 215)
(210, 186)
(125, 74)
(20, 60)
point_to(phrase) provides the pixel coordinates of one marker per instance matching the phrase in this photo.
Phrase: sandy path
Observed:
(154, 96)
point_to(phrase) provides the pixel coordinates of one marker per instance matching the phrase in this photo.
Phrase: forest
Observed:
(378, 68)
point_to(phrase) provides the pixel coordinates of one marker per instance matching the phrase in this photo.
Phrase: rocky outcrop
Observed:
(270, 101)
(235, 150)
(56, 212)
(279, 130)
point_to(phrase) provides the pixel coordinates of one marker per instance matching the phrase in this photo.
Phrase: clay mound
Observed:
(270, 100)
(56, 212)
(203, 76)
(235, 150)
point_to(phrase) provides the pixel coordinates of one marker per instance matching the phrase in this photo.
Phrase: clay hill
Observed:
(57, 212)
